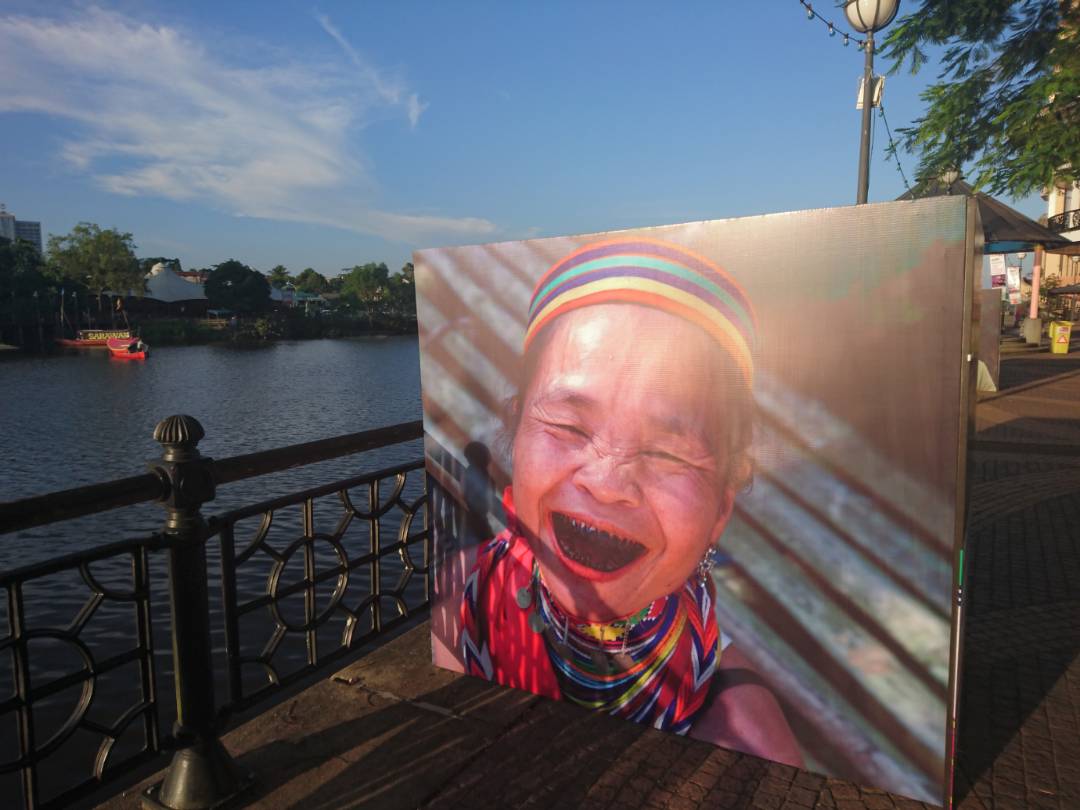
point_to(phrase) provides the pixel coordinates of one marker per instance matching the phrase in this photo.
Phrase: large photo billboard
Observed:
(709, 477)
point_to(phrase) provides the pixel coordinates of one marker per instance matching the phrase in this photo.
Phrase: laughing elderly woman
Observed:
(631, 435)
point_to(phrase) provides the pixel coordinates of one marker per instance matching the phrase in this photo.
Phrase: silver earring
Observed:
(704, 568)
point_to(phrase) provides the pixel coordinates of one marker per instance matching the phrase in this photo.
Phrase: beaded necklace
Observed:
(653, 667)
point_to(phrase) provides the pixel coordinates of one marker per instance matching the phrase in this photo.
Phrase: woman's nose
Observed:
(608, 478)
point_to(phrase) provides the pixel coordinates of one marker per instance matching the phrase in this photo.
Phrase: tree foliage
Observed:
(1007, 100)
(235, 286)
(100, 259)
(402, 292)
(310, 281)
(365, 286)
(279, 276)
(21, 270)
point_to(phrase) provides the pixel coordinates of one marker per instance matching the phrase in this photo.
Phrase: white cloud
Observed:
(157, 114)
(415, 108)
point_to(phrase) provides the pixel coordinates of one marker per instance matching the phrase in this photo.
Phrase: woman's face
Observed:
(616, 481)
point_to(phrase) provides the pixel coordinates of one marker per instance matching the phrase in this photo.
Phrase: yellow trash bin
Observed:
(1060, 331)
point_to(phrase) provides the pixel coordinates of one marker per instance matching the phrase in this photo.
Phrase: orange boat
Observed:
(128, 348)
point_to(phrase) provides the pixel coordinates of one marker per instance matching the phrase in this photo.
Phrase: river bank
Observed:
(197, 332)
(251, 330)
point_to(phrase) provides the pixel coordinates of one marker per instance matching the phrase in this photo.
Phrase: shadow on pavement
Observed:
(1035, 368)
(1019, 723)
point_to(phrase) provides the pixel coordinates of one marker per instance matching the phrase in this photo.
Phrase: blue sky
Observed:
(334, 134)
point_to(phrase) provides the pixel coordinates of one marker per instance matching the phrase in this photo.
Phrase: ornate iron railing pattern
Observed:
(1065, 221)
(348, 536)
(29, 703)
(349, 551)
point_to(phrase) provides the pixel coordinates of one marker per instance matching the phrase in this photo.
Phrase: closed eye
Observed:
(665, 456)
(566, 427)
(703, 464)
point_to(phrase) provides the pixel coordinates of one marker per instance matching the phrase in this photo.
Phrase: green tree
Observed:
(18, 260)
(279, 276)
(366, 286)
(1007, 99)
(100, 259)
(235, 286)
(402, 293)
(1048, 302)
(310, 281)
(335, 283)
(22, 279)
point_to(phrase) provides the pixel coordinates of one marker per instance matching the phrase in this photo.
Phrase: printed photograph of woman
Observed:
(709, 477)
(630, 442)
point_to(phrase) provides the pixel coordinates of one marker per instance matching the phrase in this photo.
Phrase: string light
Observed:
(860, 44)
(892, 146)
(829, 24)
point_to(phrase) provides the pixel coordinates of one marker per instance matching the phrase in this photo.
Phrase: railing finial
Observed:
(180, 436)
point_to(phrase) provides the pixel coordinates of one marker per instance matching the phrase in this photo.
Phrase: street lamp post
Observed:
(866, 17)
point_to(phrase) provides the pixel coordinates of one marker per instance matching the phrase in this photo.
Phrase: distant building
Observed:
(12, 228)
(197, 276)
(1063, 217)
(30, 231)
(7, 224)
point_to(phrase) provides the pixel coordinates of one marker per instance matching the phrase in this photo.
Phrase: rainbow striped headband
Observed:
(653, 274)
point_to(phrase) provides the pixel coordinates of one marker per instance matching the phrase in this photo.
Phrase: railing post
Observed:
(202, 774)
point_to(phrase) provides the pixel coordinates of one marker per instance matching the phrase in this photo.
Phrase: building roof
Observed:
(1005, 230)
(162, 284)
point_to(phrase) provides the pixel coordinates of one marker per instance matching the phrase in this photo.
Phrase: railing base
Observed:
(201, 777)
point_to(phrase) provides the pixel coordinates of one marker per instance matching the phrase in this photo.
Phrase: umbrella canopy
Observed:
(1005, 230)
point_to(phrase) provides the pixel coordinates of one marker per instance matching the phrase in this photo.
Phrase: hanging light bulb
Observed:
(845, 40)
(809, 12)
(832, 31)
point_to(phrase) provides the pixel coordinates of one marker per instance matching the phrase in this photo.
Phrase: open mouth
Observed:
(592, 547)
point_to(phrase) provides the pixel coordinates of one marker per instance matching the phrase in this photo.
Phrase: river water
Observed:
(81, 417)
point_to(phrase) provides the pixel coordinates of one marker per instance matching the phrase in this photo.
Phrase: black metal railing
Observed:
(379, 608)
(1065, 221)
(41, 737)
(324, 571)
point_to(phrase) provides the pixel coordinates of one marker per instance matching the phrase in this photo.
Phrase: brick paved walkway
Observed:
(391, 731)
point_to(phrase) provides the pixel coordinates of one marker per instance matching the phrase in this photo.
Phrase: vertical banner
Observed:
(997, 270)
(1012, 283)
(699, 480)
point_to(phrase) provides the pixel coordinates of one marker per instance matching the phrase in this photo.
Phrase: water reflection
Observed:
(82, 417)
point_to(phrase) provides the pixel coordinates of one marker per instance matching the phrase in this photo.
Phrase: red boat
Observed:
(85, 338)
(128, 348)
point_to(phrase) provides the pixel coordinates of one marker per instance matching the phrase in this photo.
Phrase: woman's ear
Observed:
(727, 504)
(511, 416)
(742, 473)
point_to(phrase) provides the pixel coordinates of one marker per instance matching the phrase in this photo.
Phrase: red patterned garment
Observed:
(655, 668)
